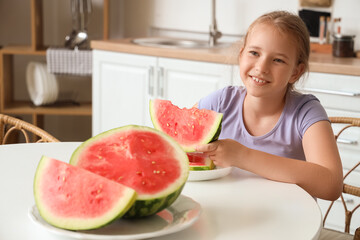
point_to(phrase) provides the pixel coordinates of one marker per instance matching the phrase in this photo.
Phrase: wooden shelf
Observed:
(8, 104)
(23, 50)
(26, 107)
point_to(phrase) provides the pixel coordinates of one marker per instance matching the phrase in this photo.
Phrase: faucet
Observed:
(214, 33)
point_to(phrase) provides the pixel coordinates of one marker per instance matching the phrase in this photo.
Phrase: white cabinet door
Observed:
(335, 91)
(122, 84)
(185, 82)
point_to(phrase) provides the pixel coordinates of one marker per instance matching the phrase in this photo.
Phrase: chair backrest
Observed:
(11, 125)
(346, 123)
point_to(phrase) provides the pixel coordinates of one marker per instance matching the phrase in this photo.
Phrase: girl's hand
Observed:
(223, 153)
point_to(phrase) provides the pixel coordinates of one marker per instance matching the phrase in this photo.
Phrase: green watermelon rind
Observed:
(146, 199)
(144, 208)
(201, 167)
(122, 206)
(212, 135)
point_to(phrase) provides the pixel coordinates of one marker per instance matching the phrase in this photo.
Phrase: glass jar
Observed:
(343, 45)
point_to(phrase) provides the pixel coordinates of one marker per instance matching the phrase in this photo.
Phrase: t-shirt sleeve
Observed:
(311, 112)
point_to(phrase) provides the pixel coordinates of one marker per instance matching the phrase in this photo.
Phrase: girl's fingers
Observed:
(207, 147)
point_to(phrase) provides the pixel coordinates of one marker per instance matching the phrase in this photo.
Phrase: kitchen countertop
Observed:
(319, 62)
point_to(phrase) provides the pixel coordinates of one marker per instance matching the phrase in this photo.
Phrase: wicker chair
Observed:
(328, 234)
(9, 126)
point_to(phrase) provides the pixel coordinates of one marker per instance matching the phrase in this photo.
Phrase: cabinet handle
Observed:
(151, 81)
(161, 81)
(346, 141)
(334, 92)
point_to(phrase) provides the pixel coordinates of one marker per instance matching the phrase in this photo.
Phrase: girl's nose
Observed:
(262, 65)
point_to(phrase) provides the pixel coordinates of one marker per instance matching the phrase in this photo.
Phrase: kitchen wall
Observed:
(174, 17)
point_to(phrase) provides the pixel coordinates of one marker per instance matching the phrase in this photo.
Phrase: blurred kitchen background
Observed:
(136, 18)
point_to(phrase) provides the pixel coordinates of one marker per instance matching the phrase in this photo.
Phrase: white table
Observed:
(238, 206)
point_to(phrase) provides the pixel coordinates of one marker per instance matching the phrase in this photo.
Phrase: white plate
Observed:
(34, 83)
(208, 174)
(180, 215)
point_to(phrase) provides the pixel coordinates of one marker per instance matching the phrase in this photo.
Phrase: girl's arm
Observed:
(320, 175)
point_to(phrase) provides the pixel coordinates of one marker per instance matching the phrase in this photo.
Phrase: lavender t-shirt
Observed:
(285, 139)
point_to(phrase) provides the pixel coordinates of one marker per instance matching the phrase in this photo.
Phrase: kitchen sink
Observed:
(176, 43)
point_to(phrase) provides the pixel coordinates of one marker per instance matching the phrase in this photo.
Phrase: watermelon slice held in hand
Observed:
(189, 127)
(72, 198)
(199, 161)
(142, 158)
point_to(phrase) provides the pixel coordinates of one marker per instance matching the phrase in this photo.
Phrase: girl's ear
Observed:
(298, 71)
(241, 50)
(240, 53)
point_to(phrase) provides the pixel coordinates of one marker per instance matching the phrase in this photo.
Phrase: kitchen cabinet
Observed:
(340, 95)
(124, 83)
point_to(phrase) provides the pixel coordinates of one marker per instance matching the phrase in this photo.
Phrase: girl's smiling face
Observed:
(269, 62)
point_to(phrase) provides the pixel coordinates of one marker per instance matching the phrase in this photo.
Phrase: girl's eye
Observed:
(254, 53)
(279, 60)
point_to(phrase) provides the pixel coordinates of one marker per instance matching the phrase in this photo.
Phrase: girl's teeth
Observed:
(258, 80)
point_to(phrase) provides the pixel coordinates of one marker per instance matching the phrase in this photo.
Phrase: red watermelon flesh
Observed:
(142, 158)
(73, 198)
(139, 161)
(199, 161)
(189, 127)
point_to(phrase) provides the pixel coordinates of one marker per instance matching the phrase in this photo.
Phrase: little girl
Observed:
(268, 128)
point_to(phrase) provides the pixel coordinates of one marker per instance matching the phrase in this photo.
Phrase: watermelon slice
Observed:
(72, 198)
(189, 127)
(199, 161)
(143, 158)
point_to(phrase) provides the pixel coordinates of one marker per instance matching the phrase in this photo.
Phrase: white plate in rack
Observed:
(180, 215)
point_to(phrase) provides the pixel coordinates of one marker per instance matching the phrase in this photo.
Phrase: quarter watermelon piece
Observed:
(142, 158)
(189, 127)
(72, 198)
(199, 161)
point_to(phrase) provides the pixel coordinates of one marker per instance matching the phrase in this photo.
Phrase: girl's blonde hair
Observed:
(288, 23)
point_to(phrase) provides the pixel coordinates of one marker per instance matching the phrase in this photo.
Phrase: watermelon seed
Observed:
(157, 172)
(143, 183)
(163, 172)
(98, 191)
(167, 124)
(154, 171)
(153, 162)
(63, 178)
(175, 132)
(121, 177)
(148, 152)
(100, 157)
